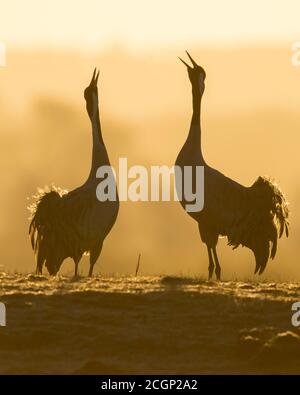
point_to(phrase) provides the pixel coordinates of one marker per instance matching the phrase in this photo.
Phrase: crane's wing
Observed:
(253, 217)
(89, 218)
(224, 200)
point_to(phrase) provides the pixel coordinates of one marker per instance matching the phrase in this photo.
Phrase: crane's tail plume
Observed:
(264, 220)
(274, 201)
(44, 212)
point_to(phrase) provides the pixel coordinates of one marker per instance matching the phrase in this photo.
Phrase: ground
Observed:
(167, 325)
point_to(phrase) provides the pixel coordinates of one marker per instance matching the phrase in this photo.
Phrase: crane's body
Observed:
(252, 216)
(69, 224)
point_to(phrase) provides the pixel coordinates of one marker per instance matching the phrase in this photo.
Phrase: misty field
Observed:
(155, 324)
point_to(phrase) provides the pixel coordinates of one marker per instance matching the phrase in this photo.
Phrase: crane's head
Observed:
(196, 73)
(91, 95)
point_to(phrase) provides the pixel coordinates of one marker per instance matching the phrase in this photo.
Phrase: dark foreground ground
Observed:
(147, 325)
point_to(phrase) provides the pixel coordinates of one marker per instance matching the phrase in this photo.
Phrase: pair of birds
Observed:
(69, 224)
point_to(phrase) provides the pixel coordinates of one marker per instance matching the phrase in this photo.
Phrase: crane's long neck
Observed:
(194, 136)
(99, 153)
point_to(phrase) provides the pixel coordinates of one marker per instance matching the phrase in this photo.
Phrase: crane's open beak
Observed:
(95, 77)
(191, 59)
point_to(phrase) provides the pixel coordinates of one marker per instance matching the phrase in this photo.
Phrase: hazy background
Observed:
(251, 122)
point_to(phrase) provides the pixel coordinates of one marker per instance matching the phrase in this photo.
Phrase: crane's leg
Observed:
(93, 260)
(39, 266)
(76, 261)
(211, 265)
(218, 267)
(39, 269)
(94, 255)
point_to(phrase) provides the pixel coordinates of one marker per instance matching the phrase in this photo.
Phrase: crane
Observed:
(69, 224)
(254, 217)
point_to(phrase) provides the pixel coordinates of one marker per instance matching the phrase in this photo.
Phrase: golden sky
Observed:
(88, 24)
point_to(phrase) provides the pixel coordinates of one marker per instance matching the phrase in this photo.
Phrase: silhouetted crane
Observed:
(69, 224)
(252, 216)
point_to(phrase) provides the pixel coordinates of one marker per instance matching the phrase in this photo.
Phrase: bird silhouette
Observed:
(254, 217)
(69, 224)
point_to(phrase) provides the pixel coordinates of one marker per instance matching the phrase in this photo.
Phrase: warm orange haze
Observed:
(149, 307)
(250, 128)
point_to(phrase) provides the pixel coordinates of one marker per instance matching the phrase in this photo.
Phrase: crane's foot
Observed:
(76, 268)
(76, 275)
(218, 273)
(210, 272)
